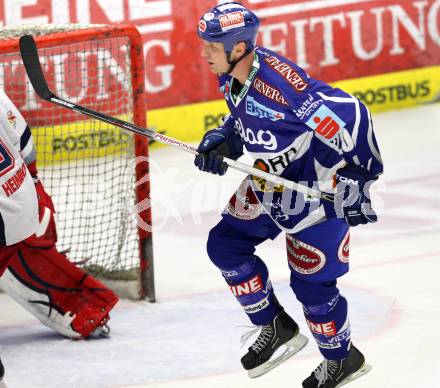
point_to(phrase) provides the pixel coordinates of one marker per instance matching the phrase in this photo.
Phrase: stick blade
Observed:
(29, 55)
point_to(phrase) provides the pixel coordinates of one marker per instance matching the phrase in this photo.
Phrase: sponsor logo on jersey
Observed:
(231, 20)
(330, 129)
(15, 181)
(307, 107)
(11, 118)
(202, 25)
(344, 248)
(304, 258)
(244, 204)
(268, 91)
(255, 308)
(254, 108)
(260, 183)
(328, 328)
(263, 138)
(326, 123)
(280, 162)
(251, 286)
(288, 73)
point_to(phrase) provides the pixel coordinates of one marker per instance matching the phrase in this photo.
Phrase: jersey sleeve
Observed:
(344, 123)
(17, 129)
(341, 123)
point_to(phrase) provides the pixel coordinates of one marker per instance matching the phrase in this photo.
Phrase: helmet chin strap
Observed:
(232, 64)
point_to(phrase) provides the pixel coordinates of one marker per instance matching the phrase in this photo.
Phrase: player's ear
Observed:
(239, 49)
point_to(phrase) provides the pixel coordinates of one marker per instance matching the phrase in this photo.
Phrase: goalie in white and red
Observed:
(33, 272)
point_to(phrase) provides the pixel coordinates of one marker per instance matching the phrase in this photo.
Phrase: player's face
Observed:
(214, 54)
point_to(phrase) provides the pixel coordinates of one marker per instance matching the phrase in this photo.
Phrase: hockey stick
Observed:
(31, 61)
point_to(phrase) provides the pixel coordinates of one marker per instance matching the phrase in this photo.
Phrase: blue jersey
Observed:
(301, 129)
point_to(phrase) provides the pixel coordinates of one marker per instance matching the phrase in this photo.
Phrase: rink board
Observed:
(187, 123)
(380, 93)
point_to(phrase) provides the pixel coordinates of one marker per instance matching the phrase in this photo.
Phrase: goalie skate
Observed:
(283, 334)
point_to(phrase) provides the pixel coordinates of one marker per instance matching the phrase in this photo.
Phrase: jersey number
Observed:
(7, 161)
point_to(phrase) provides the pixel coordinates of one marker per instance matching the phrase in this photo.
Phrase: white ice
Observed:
(190, 337)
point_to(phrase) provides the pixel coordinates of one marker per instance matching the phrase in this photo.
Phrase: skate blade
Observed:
(360, 372)
(293, 346)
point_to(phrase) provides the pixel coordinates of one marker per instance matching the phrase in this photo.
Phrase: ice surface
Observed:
(190, 338)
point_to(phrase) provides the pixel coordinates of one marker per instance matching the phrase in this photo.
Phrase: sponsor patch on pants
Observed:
(304, 258)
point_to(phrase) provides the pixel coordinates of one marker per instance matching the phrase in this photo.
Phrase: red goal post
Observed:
(94, 172)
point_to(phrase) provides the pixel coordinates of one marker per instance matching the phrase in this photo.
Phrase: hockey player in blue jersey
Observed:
(306, 131)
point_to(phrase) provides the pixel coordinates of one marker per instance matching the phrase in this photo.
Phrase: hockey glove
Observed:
(352, 198)
(216, 144)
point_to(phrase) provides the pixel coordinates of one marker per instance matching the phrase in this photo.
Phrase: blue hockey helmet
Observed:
(229, 23)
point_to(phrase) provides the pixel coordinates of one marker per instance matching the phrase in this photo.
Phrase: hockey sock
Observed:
(330, 327)
(251, 286)
(326, 313)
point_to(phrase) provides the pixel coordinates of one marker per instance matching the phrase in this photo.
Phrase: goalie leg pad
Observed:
(61, 295)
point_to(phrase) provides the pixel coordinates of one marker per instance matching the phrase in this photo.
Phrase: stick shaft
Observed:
(31, 61)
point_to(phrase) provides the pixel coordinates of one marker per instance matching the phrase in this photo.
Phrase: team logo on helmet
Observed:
(231, 20)
(202, 25)
(229, 24)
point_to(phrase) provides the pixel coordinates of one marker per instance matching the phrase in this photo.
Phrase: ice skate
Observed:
(336, 373)
(282, 331)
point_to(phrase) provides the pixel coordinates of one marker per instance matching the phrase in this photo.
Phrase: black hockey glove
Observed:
(216, 144)
(352, 199)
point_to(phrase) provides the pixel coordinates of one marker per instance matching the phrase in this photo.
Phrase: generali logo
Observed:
(288, 73)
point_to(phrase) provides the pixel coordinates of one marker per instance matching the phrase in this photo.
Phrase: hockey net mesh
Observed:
(87, 166)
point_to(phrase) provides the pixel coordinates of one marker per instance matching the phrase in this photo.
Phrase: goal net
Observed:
(94, 172)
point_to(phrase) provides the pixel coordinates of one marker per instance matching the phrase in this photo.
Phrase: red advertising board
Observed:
(332, 39)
